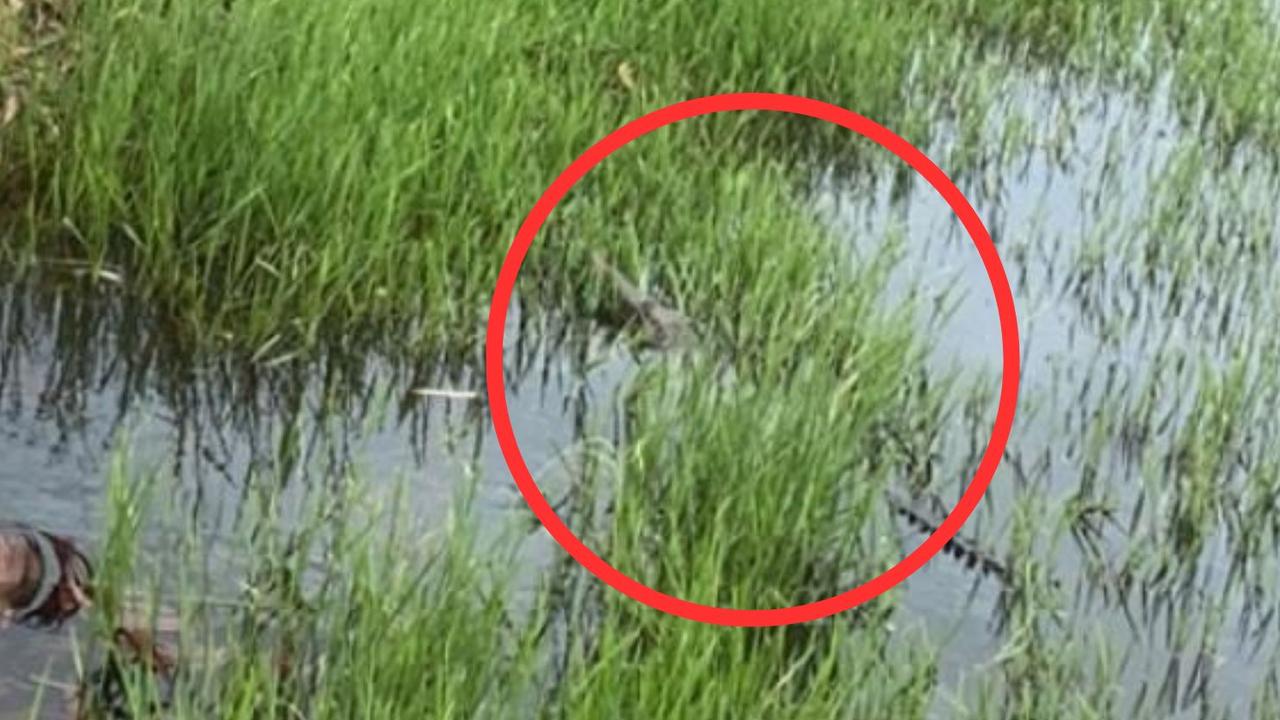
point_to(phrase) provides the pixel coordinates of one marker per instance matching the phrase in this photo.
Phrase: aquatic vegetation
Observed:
(279, 224)
(390, 210)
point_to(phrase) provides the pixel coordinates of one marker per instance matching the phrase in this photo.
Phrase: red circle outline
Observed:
(773, 102)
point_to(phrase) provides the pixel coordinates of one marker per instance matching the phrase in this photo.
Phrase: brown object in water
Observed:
(139, 646)
(105, 692)
(44, 578)
(665, 326)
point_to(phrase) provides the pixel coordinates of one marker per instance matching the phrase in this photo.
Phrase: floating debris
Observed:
(9, 109)
(445, 393)
(44, 578)
(627, 75)
(83, 269)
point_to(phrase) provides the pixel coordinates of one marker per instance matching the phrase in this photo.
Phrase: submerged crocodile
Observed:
(964, 551)
(663, 326)
(666, 328)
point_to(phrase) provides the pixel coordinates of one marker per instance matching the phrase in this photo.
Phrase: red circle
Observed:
(506, 284)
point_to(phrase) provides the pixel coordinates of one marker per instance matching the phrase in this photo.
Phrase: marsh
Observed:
(247, 253)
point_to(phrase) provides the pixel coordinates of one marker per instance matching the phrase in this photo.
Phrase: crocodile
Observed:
(664, 327)
(962, 550)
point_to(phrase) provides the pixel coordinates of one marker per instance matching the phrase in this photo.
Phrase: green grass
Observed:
(278, 177)
(285, 175)
(282, 175)
(1219, 54)
(400, 624)
(384, 618)
(297, 169)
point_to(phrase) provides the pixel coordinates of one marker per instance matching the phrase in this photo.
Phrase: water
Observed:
(66, 414)
(1098, 331)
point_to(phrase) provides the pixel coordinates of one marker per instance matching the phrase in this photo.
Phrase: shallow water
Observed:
(58, 450)
(1098, 330)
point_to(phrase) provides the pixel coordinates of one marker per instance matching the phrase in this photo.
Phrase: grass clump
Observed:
(300, 170)
(342, 610)
(1218, 54)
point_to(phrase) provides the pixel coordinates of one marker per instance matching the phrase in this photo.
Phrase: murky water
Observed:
(1127, 310)
(66, 415)
(1101, 329)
